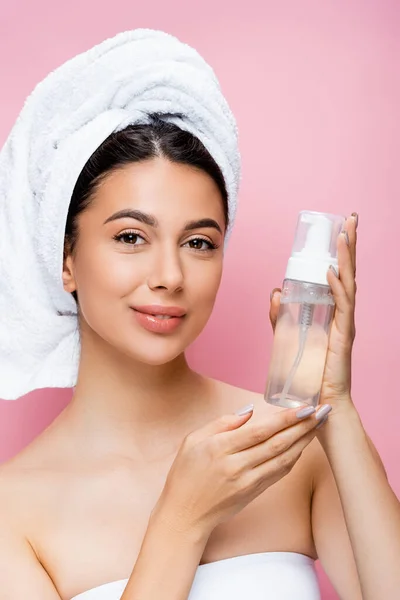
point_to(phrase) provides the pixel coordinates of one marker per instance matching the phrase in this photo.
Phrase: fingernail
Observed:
(245, 410)
(324, 420)
(305, 412)
(323, 412)
(355, 217)
(332, 268)
(273, 292)
(346, 237)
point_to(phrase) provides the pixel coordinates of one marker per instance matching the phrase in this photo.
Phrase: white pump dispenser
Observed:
(314, 248)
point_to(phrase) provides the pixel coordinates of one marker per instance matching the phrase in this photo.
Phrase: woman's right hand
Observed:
(222, 467)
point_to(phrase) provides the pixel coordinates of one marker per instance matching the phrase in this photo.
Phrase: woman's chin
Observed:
(154, 349)
(157, 354)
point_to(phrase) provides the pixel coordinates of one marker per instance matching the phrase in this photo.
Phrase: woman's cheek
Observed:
(206, 294)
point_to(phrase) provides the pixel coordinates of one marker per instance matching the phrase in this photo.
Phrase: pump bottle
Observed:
(305, 314)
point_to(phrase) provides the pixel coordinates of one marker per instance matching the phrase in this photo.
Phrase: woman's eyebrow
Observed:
(201, 223)
(152, 221)
(133, 214)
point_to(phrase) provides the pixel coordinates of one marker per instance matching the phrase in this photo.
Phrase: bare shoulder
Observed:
(232, 398)
(14, 494)
(8, 491)
(15, 486)
(21, 572)
(25, 480)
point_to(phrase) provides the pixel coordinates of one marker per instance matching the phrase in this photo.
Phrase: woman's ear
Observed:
(68, 269)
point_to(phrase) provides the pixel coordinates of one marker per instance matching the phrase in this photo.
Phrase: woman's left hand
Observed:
(336, 384)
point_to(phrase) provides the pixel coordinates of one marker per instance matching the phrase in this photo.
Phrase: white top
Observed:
(261, 576)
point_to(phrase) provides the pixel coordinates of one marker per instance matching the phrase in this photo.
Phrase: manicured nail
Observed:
(245, 410)
(305, 412)
(355, 217)
(273, 292)
(323, 412)
(346, 237)
(332, 268)
(324, 420)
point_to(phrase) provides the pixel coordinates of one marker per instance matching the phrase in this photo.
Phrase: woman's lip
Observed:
(155, 309)
(156, 325)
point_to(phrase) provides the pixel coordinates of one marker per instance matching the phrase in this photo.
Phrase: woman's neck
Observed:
(129, 407)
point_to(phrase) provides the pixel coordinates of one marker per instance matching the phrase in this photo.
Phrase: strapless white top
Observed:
(261, 576)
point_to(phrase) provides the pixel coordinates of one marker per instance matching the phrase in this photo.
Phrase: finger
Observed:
(345, 263)
(352, 232)
(344, 309)
(281, 464)
(274, 306)
(228, 422)
(259, 431)
(279, 443)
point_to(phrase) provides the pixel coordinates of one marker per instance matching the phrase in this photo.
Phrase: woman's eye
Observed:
(200, 244)
(130, 238)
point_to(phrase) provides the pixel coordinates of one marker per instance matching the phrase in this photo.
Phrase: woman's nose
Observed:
(166, 272)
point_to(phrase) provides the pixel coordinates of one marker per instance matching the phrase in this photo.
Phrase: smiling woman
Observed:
(156, 481)
(145, 231)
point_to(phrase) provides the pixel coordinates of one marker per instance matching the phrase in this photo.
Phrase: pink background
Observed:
(315, 87)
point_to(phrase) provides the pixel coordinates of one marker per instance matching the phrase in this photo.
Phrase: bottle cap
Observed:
(315, 247)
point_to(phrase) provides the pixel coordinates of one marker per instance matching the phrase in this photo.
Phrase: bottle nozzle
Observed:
(319, 235)
(314, 248)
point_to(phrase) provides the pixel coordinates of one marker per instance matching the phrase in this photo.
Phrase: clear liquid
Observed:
(304, 370)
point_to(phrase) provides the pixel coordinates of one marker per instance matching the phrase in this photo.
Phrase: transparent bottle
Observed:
(305, 315)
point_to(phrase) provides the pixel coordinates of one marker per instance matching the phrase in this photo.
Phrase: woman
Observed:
(153, 469)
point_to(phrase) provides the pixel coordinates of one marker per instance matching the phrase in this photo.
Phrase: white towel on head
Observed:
(67, 116)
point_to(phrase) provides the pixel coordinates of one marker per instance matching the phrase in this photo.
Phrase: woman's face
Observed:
(166, 255)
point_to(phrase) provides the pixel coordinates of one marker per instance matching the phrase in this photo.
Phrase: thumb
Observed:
(274, 307)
